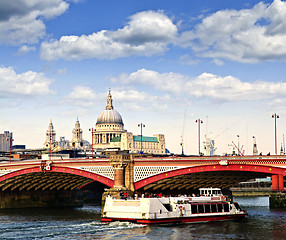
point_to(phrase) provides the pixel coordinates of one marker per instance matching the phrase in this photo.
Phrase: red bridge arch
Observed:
(58, 177)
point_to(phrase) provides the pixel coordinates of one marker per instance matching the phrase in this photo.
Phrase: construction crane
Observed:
(240, 151)
(226, 129)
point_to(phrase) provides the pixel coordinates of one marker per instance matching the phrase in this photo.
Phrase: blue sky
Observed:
(220, 61)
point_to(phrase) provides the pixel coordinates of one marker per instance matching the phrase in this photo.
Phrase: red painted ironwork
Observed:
(280, 183)
(96, 177)
(275, 186)
(270, 165)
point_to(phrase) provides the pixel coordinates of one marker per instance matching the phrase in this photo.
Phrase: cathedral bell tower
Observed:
(77, 140)
(50, 137)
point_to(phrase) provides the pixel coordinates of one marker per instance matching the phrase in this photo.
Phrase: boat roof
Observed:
(209, 189)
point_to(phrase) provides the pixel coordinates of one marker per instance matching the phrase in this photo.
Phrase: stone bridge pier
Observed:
(123, 165)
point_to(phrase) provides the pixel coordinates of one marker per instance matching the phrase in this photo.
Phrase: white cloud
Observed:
(247, 35)
(25, 49)
(145, 27)
(134, 100)
(277, 105)
(186, 59)
(61, 71)
(22, 21)
(129, 99)
(214, 87)
(229, 88)
(80, 96)
(27, 83)
(147, 33)
(169, 82)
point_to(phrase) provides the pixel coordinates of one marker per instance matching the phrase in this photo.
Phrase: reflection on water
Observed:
(84, 223)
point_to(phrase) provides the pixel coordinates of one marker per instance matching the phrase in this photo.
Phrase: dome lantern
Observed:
(109, 105)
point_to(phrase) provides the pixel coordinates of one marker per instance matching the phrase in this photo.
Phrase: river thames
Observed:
(84, 223)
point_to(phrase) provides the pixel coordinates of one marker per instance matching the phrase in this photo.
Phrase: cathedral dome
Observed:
(109, 115)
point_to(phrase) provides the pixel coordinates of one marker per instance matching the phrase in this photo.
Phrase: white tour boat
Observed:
(211, 205)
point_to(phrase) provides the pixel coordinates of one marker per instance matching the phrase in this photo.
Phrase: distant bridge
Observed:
(151, 174)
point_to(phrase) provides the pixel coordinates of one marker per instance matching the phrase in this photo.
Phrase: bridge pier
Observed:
(277, 199)
(277, 183)
(123, 177)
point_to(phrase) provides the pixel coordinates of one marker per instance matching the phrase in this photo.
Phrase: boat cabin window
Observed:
(237, 206)
(213, 207)
(168, 206)
(194, 208)
(225, 207)
(207, 208)
(201, 208)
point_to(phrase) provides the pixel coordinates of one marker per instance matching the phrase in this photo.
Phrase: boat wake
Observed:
(68, 230)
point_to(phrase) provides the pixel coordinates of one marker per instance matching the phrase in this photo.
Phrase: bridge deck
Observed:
(150, 173)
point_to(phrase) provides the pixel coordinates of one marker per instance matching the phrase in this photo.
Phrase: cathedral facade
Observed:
(77, 141)
(110, 134)
(109, 125)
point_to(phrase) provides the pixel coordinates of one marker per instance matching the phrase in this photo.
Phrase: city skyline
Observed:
(167, 64)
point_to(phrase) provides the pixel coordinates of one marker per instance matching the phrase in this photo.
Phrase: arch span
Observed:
(207, 176)
(57, 178)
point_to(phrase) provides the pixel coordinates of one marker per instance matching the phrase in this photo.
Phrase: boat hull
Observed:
(197, 219)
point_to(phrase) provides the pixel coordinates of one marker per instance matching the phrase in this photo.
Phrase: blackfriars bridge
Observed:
(124, 172)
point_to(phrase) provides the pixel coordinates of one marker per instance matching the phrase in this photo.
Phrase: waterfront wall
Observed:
(25, 199)
(277, 200)
(250, 192)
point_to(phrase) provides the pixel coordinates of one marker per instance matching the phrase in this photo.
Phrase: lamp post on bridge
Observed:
(92, 131)
(255, 151)
(50, 150)
(199, 121)
(238, 149)
(141, 125)
(275, 116)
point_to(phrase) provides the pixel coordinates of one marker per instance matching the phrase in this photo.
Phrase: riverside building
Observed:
(6, 139)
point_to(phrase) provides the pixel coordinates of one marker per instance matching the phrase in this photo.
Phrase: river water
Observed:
(84, 223)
